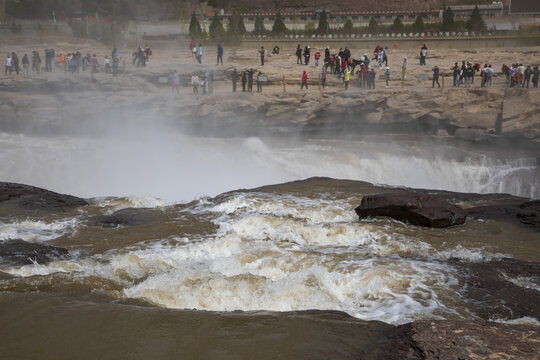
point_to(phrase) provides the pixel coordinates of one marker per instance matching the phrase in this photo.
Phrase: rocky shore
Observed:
(475, 115)
(58, 102)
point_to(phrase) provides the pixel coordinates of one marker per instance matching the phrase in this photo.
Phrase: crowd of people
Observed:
(361, 71)
(73, 62)
(141, 56)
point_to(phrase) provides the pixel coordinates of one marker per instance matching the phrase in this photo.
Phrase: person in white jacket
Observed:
(195, 84)
(9, 64)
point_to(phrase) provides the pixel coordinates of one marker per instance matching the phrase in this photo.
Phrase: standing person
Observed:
(26, 64)
(423, 54)
(489, 76)
(206, 83)
(469, 73)
(385, 56)
(387, 76)
(343, 67)
(94, 63)
(299, 54)
(372, 76)
(15, 61)
(9, 64)
(304, 81)
(175, 82)
(347, 78)
(107, 63)
(483, 74)
(323, 78)
(381, 57)
(363, 76)
(317, 58)
(327, 54)
(115, 64)
(455, 74)
(307, 55)
(234, 78)
(244, 80)
(260, 81)
(195, 83)
(250, 73)
(194, 53)
(199, 54)
(535, 77)
(435, 76)
(261, 52)
(347, 54)
(219, 54)
(47, 56)
(526, 79)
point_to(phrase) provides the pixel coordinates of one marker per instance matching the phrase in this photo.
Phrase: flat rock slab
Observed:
(453, 340)
(128, 217)
(19, 199)
(18, 252)
(525, 213)
(415, 208)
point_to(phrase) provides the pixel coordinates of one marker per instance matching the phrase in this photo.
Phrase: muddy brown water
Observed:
(283, 271)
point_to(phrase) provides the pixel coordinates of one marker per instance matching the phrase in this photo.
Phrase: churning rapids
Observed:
(173, 244)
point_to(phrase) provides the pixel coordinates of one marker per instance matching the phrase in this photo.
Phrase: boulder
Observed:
(415, 208)
(128, 217)
(19, 199)
(18, 252)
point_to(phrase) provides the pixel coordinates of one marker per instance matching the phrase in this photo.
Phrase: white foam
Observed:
(526, 320)
(38, 231)
(115, 204)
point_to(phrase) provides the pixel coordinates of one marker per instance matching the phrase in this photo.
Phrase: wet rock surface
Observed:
(503, 289)
(414, 208)
(127, 217)
(453, 340)
(18, 252)
(19, 199)
(519, 212)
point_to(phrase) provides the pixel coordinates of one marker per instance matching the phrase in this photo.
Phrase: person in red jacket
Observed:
(304, 81)
(317, 57)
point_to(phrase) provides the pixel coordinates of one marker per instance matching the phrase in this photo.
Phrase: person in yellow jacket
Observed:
(347, 78)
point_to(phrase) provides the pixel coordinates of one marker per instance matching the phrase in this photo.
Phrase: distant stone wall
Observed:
(2, 9)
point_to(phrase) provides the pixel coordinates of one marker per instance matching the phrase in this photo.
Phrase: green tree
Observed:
(323, 23)
(216, 28)
(309, 28)
(348, 27)
(259, 26)
(419, 25)
(397, 26)
(241, 25)
(448, 23)
(194, 26)
(279, 25)
(235, 29)
(476, 23)
(373, 26)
